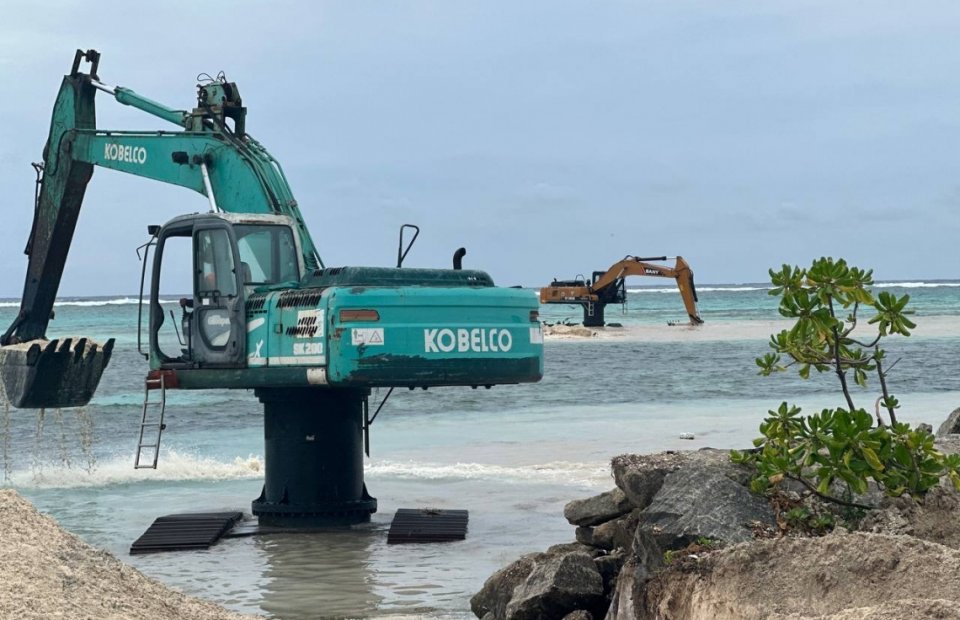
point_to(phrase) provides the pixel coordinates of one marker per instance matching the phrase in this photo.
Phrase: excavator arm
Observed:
(225, 164)
(608, 287)
(210, 153)
(633, 266)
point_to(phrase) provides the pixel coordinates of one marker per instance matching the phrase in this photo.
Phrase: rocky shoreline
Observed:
(680, 536)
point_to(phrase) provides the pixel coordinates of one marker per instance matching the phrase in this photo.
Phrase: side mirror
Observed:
(401, 253)
(153, 230)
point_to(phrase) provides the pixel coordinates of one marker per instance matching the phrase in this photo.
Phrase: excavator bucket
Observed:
(52, 373)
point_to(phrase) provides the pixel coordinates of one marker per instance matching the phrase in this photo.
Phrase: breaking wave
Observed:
(559, 472)
(700, 289)
(917, 284)
(174, 467)
(181, 467)
(89, 303)
(735, 288)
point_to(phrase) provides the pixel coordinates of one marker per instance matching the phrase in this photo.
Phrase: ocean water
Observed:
(511, 455)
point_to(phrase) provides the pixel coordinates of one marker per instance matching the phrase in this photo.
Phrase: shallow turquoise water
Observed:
(512, 455)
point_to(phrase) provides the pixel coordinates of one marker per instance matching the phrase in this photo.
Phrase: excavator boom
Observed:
(204, 155)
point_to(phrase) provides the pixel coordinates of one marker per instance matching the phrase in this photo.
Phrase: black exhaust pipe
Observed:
(458, 258)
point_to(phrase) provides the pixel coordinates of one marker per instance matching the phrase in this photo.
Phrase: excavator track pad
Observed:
(52, 373)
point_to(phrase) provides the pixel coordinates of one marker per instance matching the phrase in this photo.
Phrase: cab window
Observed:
(215, 270)
(268, 254)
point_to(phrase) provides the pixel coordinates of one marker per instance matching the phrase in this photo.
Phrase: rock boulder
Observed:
(597, 509)
(491, 601)
(640, 476)
(950, 426)
(699, 500)
(563, 580)
(611, 535)
(558, 585)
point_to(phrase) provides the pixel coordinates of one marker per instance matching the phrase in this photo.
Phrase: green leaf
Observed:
(859, 484)
(872, 459)
(824, 486)
(955, 479)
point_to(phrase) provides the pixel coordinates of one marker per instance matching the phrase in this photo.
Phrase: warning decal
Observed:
(369, 336)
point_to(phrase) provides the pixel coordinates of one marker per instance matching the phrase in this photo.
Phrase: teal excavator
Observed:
(265, 313)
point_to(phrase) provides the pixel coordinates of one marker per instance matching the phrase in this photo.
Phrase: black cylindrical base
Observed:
(593, 314)
(313, 458)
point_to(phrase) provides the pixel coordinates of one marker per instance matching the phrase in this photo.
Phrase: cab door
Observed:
(217, 336)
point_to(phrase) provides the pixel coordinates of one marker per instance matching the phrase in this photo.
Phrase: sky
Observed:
(548, 138)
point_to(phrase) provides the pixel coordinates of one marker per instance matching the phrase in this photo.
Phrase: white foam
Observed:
(740, 288)
(655, 289)
(90, 303)
(173, 467)
(700, 289)
(732, 288)
(180, 467)
(558, 472)
(917, 284)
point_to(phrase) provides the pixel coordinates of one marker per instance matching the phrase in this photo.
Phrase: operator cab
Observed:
(223, 258)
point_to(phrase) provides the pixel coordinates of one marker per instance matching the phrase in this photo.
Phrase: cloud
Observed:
(738, 135)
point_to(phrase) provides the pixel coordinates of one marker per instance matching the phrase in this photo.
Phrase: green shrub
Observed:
(837, 451)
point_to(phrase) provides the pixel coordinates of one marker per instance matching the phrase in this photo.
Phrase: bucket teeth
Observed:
(58, 373)
(79, 349)
(33, 354)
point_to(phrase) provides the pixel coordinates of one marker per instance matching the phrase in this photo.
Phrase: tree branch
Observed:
(835, 346)
(853, 320)
(865, 345)
(828, 498)
(883, 388)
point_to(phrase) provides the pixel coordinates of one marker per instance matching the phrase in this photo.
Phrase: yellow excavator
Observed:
(609, 287)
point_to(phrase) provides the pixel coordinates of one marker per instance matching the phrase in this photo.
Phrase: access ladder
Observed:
(151, 383)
